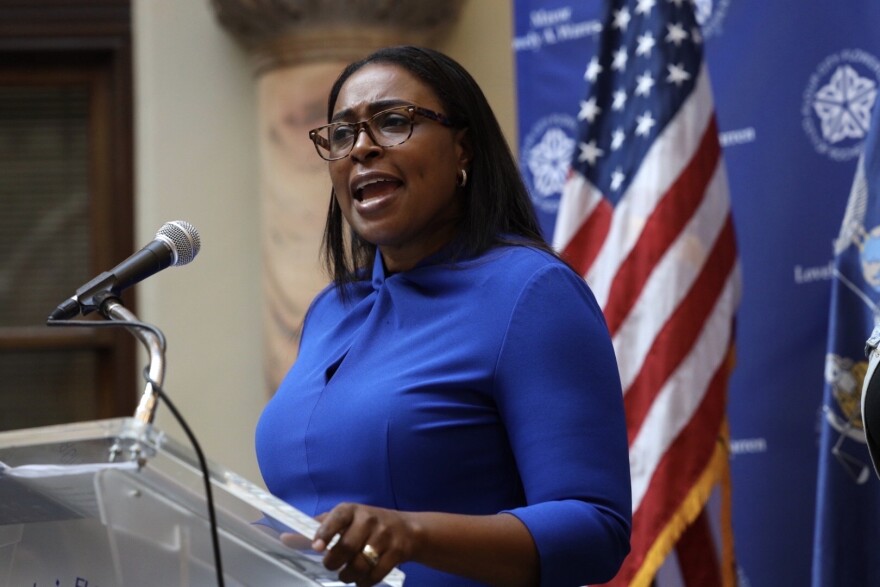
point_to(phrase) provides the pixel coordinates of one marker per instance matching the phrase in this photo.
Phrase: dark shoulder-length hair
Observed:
(497, 208)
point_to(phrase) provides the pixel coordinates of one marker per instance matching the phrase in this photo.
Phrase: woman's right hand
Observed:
(371, 542)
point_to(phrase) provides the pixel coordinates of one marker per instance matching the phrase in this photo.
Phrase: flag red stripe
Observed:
(698, 555)
(677, 337)
(677, 473)
(663, 227)
(686, 458)
(581, 250)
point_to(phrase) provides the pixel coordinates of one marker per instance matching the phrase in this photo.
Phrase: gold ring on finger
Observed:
(371, 555)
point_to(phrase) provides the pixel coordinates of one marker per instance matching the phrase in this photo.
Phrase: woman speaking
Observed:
(455, 407)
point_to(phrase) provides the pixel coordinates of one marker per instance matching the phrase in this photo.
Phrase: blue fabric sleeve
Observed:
(559, 393)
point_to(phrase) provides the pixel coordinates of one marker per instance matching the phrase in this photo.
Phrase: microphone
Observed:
(176, 243)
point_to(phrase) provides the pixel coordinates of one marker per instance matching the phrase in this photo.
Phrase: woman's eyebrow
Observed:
(372, 108)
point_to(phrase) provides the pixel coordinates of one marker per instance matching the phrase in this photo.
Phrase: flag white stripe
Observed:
(579, 198)
(663, 164)
(681, 395)
(671, 280)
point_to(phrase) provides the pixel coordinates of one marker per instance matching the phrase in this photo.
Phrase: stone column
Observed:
(298, 48)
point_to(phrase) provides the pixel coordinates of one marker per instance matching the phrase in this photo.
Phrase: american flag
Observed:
(645, 217)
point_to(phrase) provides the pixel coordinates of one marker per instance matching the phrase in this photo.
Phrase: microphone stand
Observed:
(113, 309)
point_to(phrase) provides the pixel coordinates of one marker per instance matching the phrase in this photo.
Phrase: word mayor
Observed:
(549, 27)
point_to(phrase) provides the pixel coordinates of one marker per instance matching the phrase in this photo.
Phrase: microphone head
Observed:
(183, 238)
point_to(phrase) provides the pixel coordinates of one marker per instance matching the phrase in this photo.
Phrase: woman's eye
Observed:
(394, 122)
(341, 134)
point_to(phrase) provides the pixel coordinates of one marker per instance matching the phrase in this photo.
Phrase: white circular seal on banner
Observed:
(838, 102)
(710, 14)
(546, 154)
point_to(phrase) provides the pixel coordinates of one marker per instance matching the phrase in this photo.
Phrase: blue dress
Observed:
(481, 386)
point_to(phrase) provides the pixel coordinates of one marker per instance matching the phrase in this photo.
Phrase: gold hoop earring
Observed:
(461, 181)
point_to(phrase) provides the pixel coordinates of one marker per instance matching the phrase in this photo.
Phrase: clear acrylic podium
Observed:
(118, 503)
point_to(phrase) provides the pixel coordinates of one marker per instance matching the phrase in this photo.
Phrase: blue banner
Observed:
(848, 496)
(553, 42)
(794, 86)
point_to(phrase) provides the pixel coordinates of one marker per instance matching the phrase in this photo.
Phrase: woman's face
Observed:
(403, 199)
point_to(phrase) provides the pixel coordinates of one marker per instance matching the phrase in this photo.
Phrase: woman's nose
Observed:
(364, 145)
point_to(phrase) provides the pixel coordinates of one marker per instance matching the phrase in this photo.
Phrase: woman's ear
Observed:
(465, 149)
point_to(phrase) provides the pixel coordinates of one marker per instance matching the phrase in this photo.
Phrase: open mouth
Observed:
(376, 188)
